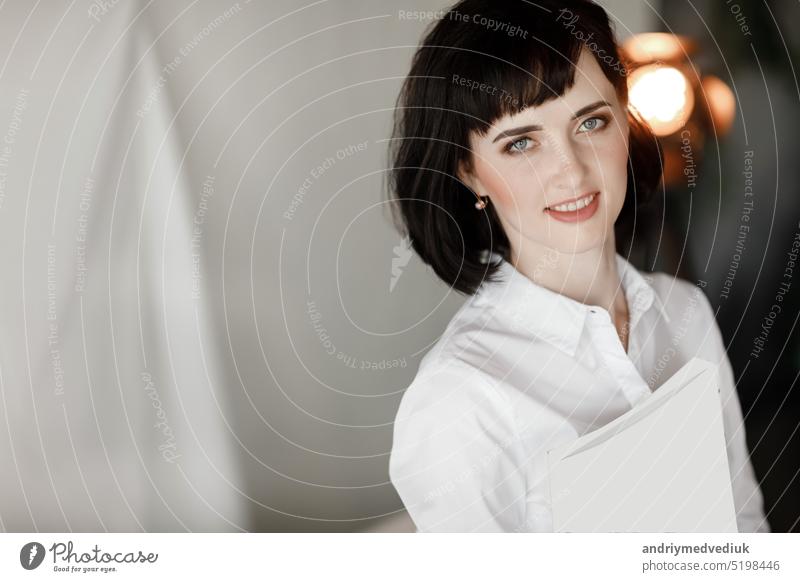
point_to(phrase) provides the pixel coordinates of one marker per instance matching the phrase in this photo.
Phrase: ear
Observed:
(470, 180)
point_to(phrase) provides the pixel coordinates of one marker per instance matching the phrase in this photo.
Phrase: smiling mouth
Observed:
(574, 204)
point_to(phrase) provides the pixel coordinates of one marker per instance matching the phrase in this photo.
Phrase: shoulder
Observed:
(456, 459)
(449, 390)
(666, 285)
(466, 343)
(692, 319)
(682, 299)
(449, 410)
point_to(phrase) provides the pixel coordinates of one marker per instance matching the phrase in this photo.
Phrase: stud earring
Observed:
(481, 203)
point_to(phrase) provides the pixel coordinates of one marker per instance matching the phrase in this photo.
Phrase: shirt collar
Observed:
(552, 316)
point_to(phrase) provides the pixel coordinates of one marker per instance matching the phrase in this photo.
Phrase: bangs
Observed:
(514, 55)
(505, 83)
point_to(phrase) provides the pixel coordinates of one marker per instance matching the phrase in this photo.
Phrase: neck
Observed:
(590, 277)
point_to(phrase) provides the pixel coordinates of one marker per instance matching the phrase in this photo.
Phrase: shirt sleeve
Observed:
(746, 492)
(456, 460)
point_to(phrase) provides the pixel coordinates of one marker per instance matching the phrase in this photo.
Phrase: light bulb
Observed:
(721, 103)
(662, 96)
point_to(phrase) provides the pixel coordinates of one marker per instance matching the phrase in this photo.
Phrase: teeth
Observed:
(572, 206)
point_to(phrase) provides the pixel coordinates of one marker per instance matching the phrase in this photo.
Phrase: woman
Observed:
(519, 172)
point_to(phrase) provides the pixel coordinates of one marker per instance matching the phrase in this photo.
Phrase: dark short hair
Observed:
(482, 60)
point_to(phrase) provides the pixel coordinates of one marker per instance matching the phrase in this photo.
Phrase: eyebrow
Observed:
(528, 128)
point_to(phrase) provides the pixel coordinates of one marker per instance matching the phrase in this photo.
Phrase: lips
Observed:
(570, 200)
(578, 214)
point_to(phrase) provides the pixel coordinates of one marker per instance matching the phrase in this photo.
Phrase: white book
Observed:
(660, 467)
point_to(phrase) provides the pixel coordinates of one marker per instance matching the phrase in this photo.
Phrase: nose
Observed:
(569, 168)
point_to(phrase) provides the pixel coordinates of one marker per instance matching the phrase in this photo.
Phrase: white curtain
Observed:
(192, 216)
(113, 398)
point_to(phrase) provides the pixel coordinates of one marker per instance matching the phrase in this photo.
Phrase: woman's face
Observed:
(565, 149)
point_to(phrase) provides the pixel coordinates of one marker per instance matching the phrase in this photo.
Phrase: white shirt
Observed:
(520, 370)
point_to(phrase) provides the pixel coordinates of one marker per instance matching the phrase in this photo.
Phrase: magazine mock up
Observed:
(660, 467)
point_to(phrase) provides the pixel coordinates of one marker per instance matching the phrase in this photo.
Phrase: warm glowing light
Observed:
(721, 103)
(656, 46)
(662, 96)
